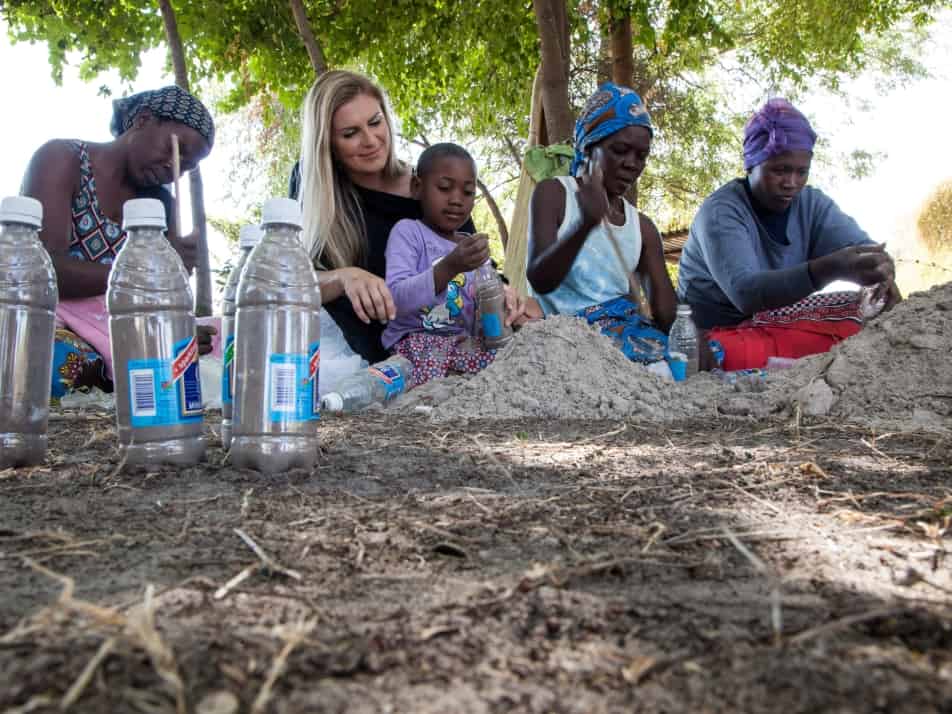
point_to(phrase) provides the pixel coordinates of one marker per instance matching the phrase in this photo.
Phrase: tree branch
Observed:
(311, 43)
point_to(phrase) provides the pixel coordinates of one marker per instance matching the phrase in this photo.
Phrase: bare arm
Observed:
(651, 264)
(52, 178)
(552, 259)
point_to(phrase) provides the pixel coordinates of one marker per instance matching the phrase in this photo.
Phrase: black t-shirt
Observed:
(381, 211)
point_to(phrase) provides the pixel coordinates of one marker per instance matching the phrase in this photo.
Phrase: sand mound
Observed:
(562, 368)
(897, 370)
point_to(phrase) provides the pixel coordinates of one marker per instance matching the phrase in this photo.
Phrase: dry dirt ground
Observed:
(532, 566)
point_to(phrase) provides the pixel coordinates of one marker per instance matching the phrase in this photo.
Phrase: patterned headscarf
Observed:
(778, 127)
(610, 109)
(167, 103)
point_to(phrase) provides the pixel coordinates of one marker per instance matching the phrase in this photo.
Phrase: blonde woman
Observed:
(353, 189)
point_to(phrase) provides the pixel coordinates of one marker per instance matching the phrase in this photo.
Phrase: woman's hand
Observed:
(592, 198)
(890, 292)
(204, 335)
(187, 248)
(519, 309)
(368, 294)
(863, 264)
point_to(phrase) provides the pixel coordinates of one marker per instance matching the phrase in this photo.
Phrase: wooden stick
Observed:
(176, 175)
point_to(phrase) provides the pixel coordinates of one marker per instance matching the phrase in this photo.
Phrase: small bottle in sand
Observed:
(27, 314)
(377, 384)
(276, 409)
(491, 308)
(154, 347)
(248, 238)
(682, 345)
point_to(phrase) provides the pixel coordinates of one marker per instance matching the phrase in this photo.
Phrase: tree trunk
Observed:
(623, 69)
(603, 71)
(497, 214)
(552, 22)
(311, 43)
(203, 275)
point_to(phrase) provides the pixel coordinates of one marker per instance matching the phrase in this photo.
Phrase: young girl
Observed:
(430, 272)
(588, 245)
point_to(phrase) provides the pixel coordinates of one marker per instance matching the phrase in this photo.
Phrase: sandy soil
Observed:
(524, 566)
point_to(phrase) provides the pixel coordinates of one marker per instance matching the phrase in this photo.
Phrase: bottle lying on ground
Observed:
(248, 238)
(27, 307)
(154, 348)
(491, 308)
(377, 384)
(276, 408)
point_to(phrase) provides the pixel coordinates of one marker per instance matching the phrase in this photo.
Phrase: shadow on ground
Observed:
(494, 566)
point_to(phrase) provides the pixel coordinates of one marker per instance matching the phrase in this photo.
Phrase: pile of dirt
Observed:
(897, 370)
(563, 368)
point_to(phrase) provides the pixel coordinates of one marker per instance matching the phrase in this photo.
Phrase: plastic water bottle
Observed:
(377, 384)
(248, 238)
(491, 308)
(277, 349)
(154, 347)
(27, 314)
(682, 345)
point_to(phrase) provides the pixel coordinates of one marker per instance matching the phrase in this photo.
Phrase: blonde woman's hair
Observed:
(334, 229)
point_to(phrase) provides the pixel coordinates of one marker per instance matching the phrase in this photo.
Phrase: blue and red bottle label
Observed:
(391, 378)
(166, 392)
(292, 389)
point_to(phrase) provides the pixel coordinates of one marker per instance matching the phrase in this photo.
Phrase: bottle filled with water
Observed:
(154, 347)
(276, 405)
(377, 384)
(27, 317)
(491, 308)
(248, 238)
(683, 345)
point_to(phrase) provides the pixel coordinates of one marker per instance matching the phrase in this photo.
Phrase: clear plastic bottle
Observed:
(491, 308)
(682, 345)
(377, 384)
(248, 238)
(277, 349)
(154, 347)
(27, 315)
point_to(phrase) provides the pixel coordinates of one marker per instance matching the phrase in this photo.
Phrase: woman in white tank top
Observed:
(587, 244)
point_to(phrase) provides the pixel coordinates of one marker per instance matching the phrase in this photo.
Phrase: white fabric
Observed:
(595, 276)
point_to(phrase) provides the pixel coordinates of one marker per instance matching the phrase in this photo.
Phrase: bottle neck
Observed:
(145, 233)
(282, 232)
(17, 232)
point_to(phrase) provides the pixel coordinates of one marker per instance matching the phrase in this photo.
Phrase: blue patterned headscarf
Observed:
(776, 128)
(610, 109)
(170, 102)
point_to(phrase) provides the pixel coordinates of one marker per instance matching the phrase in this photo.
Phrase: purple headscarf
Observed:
(778, 127)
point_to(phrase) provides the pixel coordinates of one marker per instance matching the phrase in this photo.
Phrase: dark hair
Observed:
(440, 151)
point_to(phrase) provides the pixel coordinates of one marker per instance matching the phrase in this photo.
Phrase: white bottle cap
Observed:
(21, 209)
(281, 210)
(249, 236)
(143, 213)
(332, 402)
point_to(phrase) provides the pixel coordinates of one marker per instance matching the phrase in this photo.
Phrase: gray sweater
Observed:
(731, 267)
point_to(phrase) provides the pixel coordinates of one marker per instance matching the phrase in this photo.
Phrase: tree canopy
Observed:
(468, 67)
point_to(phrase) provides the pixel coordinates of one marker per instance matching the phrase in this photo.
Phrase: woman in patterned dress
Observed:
(83, 186)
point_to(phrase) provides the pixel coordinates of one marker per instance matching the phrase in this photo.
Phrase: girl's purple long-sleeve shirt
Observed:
(412, 251)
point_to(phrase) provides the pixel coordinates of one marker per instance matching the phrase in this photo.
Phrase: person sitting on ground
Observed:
(760, 244)
(83, 186)
(430, 272)
(589, 248)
